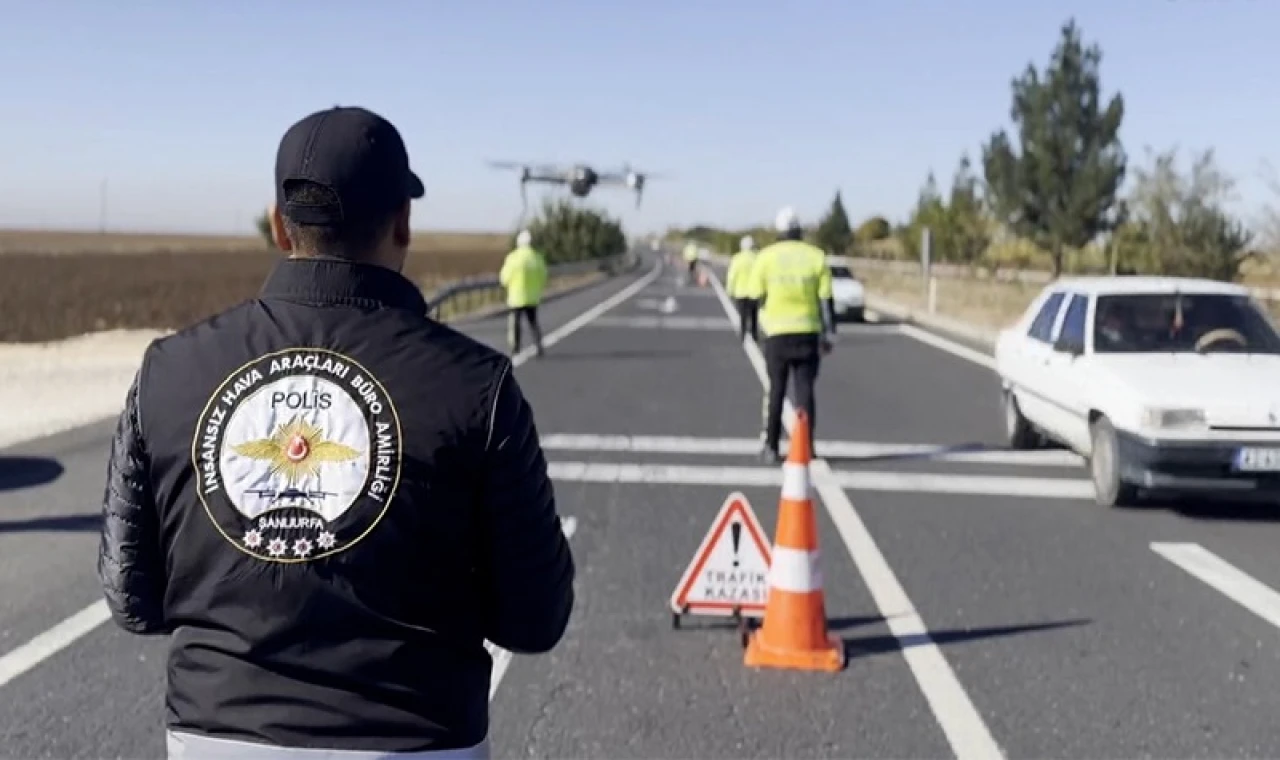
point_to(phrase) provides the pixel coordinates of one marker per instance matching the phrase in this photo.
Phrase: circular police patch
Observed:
(297, 455)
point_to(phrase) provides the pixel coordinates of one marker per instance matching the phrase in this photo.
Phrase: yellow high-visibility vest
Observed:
(793, 279)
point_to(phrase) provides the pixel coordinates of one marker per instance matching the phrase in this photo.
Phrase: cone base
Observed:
(828, 659)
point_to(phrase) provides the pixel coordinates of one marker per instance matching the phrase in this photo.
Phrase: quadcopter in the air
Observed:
(581, 179)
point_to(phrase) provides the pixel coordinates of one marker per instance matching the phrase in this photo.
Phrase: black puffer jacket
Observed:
(330, 501)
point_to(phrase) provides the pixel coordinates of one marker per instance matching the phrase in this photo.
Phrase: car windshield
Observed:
(1182, 323)
(841, 273)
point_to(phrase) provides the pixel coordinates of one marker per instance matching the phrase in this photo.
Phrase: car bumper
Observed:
(849, 307)
(1193, 465)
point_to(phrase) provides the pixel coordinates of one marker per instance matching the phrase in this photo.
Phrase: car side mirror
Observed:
(1072, 346)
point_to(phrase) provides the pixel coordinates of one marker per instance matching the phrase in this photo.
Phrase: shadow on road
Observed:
(27, 472)
(1262, 509)
(59, 524)
(862, 646)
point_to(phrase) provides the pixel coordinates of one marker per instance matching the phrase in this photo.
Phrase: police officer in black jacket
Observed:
(328, 499)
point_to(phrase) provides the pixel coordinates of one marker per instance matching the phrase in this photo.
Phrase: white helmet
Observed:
(524, 238)
(747, 243)
(786, 220)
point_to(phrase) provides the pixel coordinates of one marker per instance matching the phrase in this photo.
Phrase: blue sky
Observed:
(747, 105)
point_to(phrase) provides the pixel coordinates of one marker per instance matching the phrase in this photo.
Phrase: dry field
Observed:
(55, 285)
(58, 242)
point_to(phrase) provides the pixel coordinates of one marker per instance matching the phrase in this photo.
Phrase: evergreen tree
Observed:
(966, 234)
(834, 233)
(1060, 188)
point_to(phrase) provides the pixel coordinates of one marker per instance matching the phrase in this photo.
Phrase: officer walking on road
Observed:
(328, 500)
(691, 260)
(792, 282)
(737, 283)
(524, 275)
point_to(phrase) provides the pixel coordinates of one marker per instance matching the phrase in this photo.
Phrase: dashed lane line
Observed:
(1235, 584)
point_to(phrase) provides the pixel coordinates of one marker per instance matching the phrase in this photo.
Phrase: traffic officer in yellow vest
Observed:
(691, 259)
(738, 286)
(792, 283)
(524, 275)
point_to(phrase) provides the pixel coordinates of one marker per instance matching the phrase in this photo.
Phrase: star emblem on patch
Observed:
(302, 547)
(253, 539)
(326, 540)
(276, 547)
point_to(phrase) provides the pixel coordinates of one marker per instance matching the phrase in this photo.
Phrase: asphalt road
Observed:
(1054, 628)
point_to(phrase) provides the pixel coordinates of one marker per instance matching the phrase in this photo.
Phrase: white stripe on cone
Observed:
(795, 481)
(795, 570)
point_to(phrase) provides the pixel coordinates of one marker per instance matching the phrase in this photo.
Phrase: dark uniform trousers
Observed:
(784, 356)
(529, 314)
(748, 309)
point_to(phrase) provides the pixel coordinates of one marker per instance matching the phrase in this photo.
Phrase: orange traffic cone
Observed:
(794, 632)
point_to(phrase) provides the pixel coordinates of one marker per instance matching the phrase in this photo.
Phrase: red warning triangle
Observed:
(730, 570)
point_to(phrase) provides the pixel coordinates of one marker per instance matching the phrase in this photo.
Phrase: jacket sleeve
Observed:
(130, 560)
(504, 275)
(531, 570)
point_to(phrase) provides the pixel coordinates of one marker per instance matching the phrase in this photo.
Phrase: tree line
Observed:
(563, 231)
(1050, 194)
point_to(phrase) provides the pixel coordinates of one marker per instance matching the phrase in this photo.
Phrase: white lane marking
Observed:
(18, 661)
(586, 317)
(663, 444)
(665, 323)
(502, 657)
(45, 645)
(951, 347)
(960, 721)
(1237, 585)
(901, 482)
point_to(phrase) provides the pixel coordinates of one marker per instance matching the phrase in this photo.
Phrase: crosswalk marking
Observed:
(858, 480)
(837, 450)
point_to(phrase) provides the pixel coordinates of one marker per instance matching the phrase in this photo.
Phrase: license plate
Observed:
(1258, 460)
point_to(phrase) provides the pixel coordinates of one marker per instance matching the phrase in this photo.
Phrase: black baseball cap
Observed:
(354, 152)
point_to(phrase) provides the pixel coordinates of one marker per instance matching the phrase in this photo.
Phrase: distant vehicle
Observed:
(581, 179)
(1162, 384)
(847, 292)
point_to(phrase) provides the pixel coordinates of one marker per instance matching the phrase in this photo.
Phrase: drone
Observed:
(581, 179)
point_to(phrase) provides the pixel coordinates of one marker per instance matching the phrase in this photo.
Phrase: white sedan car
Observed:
(847, 293)
(1162, 384)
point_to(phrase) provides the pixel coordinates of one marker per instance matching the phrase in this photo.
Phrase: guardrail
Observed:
(463, 296)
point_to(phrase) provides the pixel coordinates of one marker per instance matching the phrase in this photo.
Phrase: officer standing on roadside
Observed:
(524, 275)
(792, 282)
(328, 500)
(737, 283)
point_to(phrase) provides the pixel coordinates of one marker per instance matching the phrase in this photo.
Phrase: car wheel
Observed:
(856, 315)
(1105, 465)
(1018, 431)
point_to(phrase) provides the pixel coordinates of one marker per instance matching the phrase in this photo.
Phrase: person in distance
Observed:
(327, 499)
